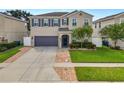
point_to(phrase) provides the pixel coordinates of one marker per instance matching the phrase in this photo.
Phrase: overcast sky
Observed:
(98, 13)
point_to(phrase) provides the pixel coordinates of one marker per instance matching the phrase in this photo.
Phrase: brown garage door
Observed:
(46, 40)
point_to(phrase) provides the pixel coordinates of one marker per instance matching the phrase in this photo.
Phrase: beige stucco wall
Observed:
(13, 30)
(80, 20)
(53, 31)
(2, 26)
(44, 31)
(96, 31)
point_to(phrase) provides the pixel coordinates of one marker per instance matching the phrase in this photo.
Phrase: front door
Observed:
(65, 41)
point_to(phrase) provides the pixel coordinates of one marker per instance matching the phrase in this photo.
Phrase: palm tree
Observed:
(82, 32)
(114, 31)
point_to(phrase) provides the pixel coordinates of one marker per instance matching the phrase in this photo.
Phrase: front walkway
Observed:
(66, 73)
(36, 65)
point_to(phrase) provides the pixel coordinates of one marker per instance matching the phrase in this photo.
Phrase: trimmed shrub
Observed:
(88, 45)
(6, 46)
(116, 48)
(2, 49)
(74, 45)
(70, 46)
(91, 46)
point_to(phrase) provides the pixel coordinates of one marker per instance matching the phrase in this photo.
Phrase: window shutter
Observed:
(67, 21)
(62, 21)
(32, 22)
(49, 22)
(59, 22)
(39, 22)
(52, 22)
(42, 22)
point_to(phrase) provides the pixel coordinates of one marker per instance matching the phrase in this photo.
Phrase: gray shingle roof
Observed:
(11, 17)
(60, 13)
(53, 14)
(108, 17)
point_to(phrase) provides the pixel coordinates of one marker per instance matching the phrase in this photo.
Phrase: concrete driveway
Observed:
(34, 66)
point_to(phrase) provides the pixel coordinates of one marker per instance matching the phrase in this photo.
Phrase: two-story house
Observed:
(101, 23)
(11, 28)
(54, 29)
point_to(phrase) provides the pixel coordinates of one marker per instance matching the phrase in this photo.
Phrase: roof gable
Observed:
(76, 11)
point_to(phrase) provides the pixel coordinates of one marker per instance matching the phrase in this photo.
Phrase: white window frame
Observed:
(121, 20)
(36, 22)
(46, 22)
(86, 20)
(74, 22)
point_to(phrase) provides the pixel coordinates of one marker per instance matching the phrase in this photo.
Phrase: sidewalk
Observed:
(69, 64)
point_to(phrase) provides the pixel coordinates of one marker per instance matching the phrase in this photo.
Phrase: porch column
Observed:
(59, 41)
(70, 39)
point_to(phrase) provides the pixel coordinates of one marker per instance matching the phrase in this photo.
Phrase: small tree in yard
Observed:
(82, 32)
(114, 31)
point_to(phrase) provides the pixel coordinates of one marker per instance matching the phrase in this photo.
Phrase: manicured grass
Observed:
(6, 54)
(103, 54)
(100, 73)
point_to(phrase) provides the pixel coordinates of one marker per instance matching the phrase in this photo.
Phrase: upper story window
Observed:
(56, 22)
(74, 21)
(86, 21)
(64, 21)
(95, 25)
(35, 22)
(121, 20)
(45, 22)
(99, 24)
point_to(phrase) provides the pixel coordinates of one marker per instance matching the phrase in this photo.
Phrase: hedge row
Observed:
(6, 46)
(87, 45)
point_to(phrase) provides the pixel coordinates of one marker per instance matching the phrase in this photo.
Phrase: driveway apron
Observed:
(34, 66)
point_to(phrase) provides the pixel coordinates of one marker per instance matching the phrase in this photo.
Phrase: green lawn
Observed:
(100, 73)
(6, 54)
(103, 54)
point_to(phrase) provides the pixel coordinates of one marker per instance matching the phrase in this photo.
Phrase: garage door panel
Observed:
(46, 40)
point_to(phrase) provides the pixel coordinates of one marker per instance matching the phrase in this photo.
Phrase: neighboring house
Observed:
(54, 29)
(100, 23)
(11, 28)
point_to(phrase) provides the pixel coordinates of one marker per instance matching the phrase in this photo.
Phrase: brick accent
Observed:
(63, 56)
(66, 74)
